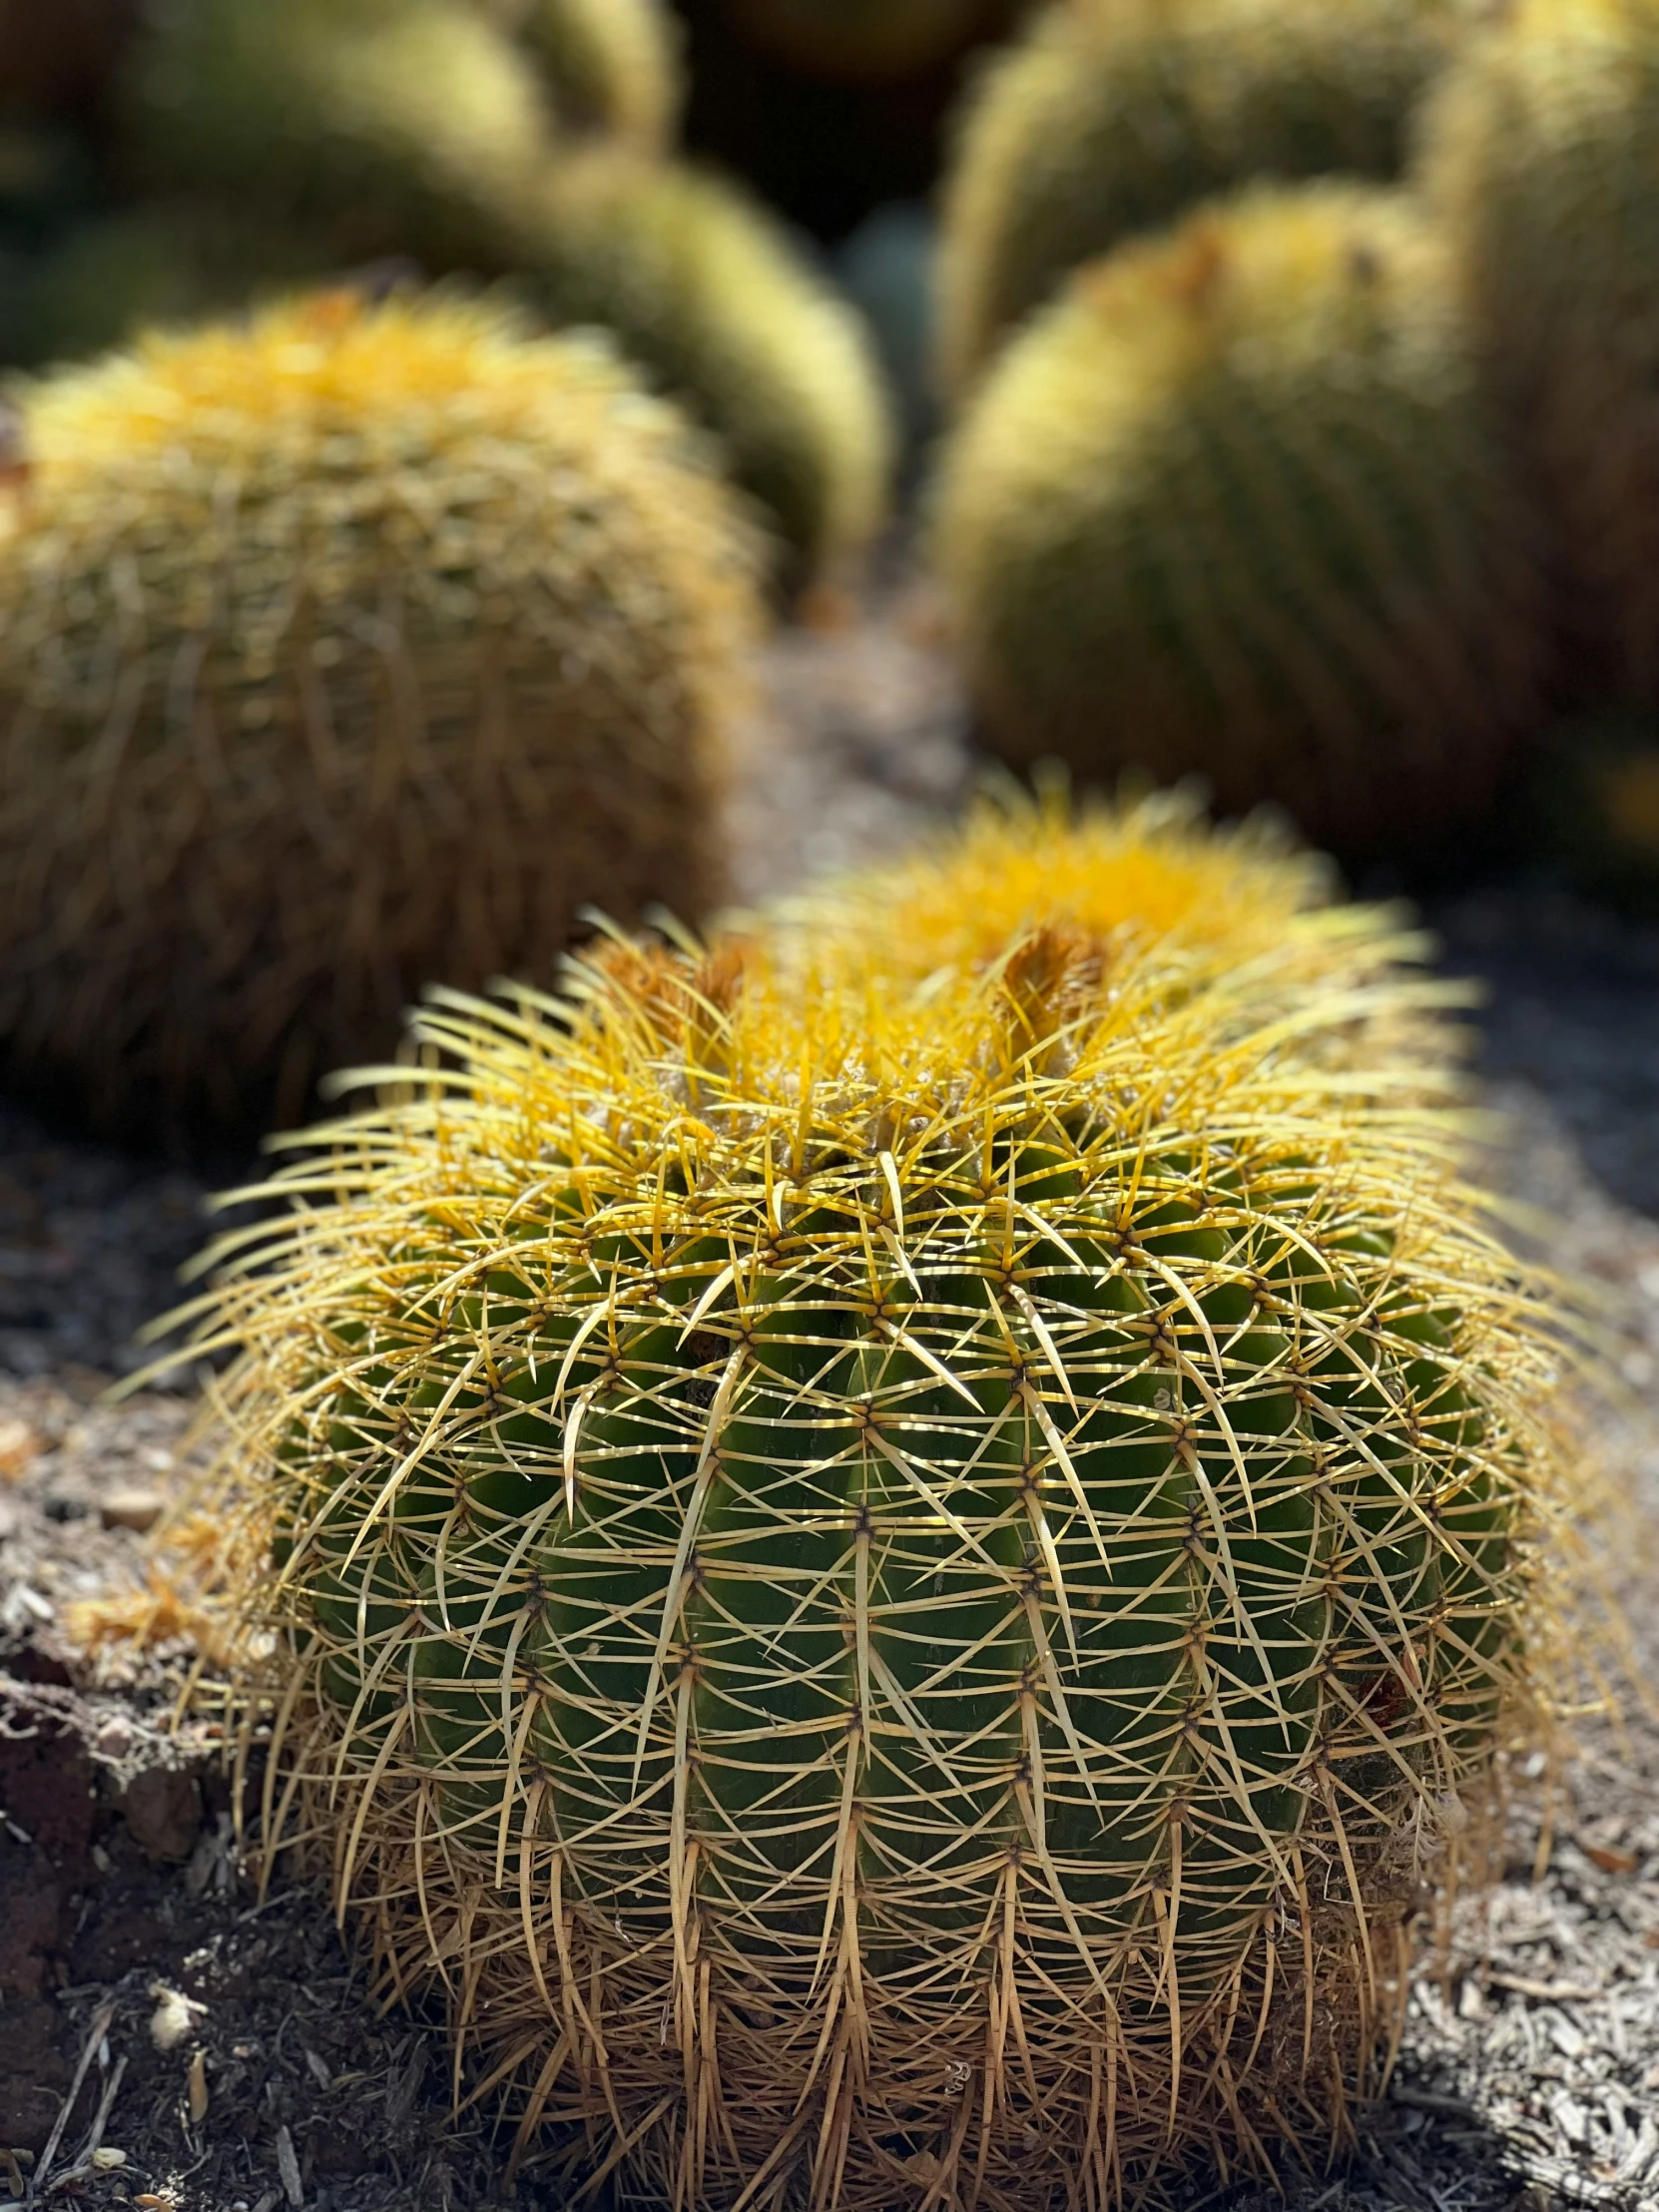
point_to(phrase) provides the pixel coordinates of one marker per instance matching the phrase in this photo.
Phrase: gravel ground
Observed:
(170, 2041)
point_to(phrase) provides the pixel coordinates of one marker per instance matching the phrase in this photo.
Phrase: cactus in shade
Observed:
(1234, 506)
(894, 1587)
(1534, 156)
(866, 40)
(711, 300)
(344, 647)
(608, 65)
(161, 261)
(1111, 116)
(375, 125)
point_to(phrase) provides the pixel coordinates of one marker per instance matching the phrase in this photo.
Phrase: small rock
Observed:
(163, 1809)
(135, 1509)
(113, 1737)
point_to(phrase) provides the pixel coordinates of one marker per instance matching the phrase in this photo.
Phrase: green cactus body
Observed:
(899, 1582)
(162, 262)
(344, 646)
(1536, 157)
(1235, 506)
(1111, 116)
(714, 304)
(608, 65)
(379, 126)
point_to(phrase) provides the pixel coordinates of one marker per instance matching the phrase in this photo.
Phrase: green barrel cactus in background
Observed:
(608, 65)
(897, 1586)
(344, 646)
(1237, 506)
(155, 264)
(377, 126)
(711, 301)
(1538, 156)
(1111, 117)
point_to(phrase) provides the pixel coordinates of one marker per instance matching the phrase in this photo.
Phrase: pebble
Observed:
(138, 1510)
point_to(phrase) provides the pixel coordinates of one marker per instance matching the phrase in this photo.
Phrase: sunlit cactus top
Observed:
(897, 1583)
(1158, 891)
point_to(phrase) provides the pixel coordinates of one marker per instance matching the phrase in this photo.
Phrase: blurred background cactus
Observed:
(700, 288)
(491, 139)
(610, 65)
(1015, 1472)
(1235, 506)
(375, 125)
(345, 650)
(1113, 115)
(1539, 157)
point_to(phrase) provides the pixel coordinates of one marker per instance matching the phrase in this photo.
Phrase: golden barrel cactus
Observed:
(341, 649)
(711, 301)
(896, 1585)
(1111, 116)
(376, 126)
(1537, 157)
(1235, 506)
(608, 65)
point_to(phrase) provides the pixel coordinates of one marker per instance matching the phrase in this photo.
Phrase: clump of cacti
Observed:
(1234, 506)
(897, 1586)
(608, 65)
(379, 126)
(1536, 151)
(345, 646)
(864, 40)
(1111, 117)
(711, 301)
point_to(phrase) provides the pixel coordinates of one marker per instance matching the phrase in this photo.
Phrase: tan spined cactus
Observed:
(1237, 506)
(341, 649)
(1111, 116)
(896, 1588)
(377, 126)
(717, 307)
(1535, 158)
(608, 65)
